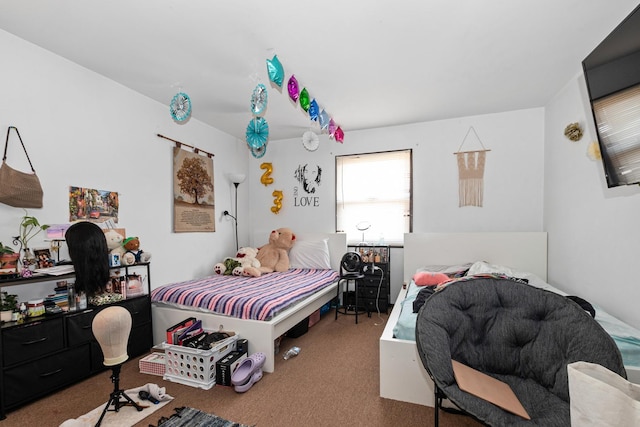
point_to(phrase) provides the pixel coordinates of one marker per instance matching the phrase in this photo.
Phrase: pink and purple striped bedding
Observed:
(257, 298)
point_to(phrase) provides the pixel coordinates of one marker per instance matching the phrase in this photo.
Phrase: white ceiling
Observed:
(368, 63)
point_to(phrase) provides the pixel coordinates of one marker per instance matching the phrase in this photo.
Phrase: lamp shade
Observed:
(112, 327)
(236, 178)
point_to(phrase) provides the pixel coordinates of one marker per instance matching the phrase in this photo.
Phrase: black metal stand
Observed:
(439, 396)
(116, 395)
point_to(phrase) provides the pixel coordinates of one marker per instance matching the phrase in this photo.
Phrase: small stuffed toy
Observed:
(231, 267)
(133, 254)
(245, 257)
(274, 256)
(114, 242)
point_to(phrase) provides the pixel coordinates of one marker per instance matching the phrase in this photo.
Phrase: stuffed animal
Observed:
(274, 256)
(245, 257)
(114, 242)
(133, 254)
(230, 266)
(249, 263)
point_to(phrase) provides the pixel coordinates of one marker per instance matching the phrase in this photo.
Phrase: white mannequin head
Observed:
(111, 327)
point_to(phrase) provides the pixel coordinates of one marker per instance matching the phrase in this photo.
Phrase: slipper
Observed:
(257, 375)
(247, 367)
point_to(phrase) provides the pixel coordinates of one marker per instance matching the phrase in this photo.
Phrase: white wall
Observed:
(82, 129)
(513, 177)
(593, 230)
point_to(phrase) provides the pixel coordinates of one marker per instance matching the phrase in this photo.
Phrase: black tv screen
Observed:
(612, 75)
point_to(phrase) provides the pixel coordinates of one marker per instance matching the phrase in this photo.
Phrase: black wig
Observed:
(90, 257)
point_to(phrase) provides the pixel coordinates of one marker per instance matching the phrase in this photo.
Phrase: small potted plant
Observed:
(29, 228)
(8, 304)
(8, 259)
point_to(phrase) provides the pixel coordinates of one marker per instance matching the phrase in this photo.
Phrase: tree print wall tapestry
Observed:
(193, 196)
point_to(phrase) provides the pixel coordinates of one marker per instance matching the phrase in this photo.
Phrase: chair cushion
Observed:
(512, 331)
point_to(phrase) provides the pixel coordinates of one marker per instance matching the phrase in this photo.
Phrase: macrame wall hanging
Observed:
(471, 173)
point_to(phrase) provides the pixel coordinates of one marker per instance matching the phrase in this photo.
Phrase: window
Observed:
(373, 197)
(618, 122)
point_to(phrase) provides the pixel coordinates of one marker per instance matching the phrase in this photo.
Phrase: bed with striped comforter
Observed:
(257, 298)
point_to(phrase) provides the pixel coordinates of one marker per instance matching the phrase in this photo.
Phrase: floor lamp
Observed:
(236, 179)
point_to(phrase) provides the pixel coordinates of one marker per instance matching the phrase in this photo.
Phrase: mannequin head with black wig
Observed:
(90, 257)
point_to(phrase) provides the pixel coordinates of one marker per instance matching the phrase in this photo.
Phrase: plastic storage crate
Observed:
(194, 367)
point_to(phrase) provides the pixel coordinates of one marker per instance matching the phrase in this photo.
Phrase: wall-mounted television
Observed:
(612, 74)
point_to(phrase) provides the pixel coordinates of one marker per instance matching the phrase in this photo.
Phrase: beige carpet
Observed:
(333, 381)
(126, 416)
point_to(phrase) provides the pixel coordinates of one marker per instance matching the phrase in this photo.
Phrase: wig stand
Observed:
(116, 395)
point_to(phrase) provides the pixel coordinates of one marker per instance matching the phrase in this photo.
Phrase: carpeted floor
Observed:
(334, 380)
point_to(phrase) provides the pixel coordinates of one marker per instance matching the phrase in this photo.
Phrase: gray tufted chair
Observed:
(516, 333)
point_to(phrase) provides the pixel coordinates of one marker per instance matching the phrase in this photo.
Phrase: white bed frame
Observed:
(402, 375)
(260, 334)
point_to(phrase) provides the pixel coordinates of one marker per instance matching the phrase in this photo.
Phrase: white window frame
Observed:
(374, 188)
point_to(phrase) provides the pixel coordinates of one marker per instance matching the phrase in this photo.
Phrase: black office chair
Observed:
(350, 271)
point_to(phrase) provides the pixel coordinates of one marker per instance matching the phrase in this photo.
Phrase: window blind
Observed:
(375, 189)
(618, 121)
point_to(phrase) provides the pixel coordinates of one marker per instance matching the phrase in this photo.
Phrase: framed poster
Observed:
(93, 205)
(193, 195)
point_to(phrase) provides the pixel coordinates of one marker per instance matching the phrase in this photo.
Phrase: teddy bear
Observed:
(245, 257)
(230, 266)
(114, 242)
(132, 252)
(274, 256)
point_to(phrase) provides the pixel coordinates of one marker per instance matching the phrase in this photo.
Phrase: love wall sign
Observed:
(309, 179)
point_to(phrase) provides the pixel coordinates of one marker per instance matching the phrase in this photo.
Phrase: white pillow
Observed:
(310, 254)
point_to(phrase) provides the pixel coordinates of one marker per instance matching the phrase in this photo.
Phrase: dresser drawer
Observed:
(79, 327)
(372, 292)
(370, 305)
(36, 378)
(140, 309)
(374, 281)
(26, 342)
(140, 340)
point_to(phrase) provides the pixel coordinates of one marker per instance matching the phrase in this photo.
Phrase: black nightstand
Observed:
(374, 289)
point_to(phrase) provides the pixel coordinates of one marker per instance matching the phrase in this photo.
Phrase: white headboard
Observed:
(337, 243)
(523, 251)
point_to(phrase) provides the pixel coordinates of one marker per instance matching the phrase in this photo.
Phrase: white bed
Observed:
(402, 376)
(260, 334)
